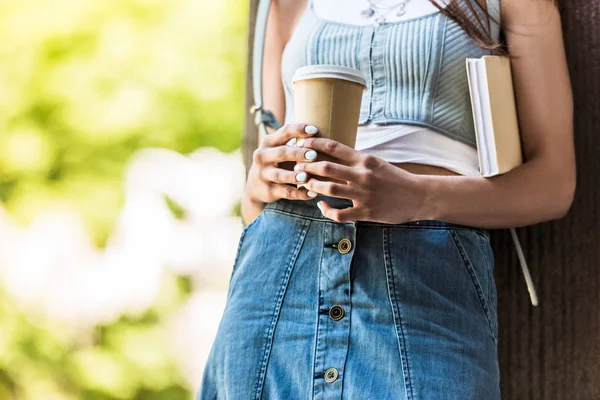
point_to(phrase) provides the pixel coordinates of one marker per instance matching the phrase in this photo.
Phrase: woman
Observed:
(375, 280)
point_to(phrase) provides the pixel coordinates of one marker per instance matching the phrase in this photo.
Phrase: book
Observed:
(494, 114)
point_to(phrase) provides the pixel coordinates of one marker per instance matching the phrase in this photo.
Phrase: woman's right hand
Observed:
(267, 181)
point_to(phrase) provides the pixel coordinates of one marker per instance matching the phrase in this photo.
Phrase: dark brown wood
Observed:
(551, 351)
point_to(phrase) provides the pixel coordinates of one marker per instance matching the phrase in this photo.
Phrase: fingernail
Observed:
(297, 167)
(311, 129)
(312, 194)
(301, 177)
(319, 205)
(311, 155)
(300, 143)
(292, 142)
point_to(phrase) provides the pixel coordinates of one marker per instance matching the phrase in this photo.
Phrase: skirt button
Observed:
(344, 245)
(336, 313)
(331, 375)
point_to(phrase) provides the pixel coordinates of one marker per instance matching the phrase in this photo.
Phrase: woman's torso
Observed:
(419, 10)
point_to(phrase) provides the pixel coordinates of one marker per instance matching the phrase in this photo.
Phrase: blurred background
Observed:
(120, 176)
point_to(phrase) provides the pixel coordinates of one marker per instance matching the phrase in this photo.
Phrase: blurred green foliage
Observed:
(84, 85)
(43, 359)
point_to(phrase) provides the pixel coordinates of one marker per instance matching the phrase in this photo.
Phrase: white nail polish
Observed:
(301, 176)
(311, 129)
(312, 194)
(292, 142)
(311, 155)
(300, 143)
(297, 167)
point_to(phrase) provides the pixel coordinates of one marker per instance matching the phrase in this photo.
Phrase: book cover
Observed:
(494, 113)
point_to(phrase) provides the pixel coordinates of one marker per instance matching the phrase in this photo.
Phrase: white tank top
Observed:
(401, 142)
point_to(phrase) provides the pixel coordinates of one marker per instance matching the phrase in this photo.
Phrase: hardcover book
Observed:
(494, 114)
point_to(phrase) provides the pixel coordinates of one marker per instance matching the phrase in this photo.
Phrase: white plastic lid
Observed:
(329, 71)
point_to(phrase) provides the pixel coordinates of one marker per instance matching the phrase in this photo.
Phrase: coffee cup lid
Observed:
(329, 71)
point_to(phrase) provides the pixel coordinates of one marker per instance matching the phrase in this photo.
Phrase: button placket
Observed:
(333, 328)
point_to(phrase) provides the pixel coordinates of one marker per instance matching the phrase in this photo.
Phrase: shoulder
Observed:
(286, 13)
(288, 8)
(526, 12)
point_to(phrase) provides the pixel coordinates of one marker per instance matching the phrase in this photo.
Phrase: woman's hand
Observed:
(267, 181)
(380, 191)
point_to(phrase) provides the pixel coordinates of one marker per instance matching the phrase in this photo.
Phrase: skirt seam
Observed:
(396, 314)
(277, 310)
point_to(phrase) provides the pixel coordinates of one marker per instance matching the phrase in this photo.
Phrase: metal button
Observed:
(336, 313)
(331, 375)
(344, 245)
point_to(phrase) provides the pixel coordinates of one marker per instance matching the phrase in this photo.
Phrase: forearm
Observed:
(531, 193)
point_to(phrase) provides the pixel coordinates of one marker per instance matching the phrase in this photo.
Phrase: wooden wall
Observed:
(551, 351)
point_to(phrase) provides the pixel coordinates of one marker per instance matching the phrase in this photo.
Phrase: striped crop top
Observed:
(415, 68)
(401, 143)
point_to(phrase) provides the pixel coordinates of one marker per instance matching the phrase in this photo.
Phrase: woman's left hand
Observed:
(380, 191)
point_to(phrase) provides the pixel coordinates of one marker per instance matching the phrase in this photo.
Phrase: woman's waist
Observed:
(423, 169)
(308, 209)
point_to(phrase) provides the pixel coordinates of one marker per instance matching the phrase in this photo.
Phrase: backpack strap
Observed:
(493, 9)
(523, 262)
(263, 118)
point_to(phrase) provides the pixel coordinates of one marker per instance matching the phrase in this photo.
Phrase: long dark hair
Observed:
(476, 28)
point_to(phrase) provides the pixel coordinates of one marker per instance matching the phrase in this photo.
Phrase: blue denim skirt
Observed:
(318, 309)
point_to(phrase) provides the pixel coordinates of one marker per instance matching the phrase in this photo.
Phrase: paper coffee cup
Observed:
(329, 97)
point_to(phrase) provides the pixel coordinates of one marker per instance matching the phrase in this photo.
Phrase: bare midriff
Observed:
(424, 169)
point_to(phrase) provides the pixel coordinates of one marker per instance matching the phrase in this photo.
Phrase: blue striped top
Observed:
(415, 68)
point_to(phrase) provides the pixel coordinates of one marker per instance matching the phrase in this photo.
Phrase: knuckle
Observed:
(281, 152)
(270, 191)
(298, 194)
(263, 174)
(288, 192)
(331, 146)
(300, 153)
(332, 189)
(308, 142)
(370, 162)
(364, 175)
(274, 175)
(363, 160)
(326, 167)
(257, 155)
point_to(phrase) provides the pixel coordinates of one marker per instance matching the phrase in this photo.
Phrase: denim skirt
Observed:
(318, 309)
